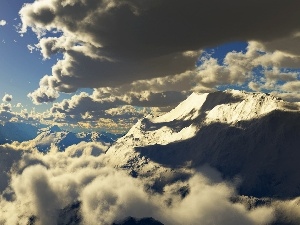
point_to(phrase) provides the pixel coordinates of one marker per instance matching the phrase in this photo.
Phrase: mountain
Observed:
(251, 138)
(61, 139)
(217, 158)
(15, 131)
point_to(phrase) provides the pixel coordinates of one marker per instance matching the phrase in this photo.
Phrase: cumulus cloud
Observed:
(292, 86)
(259, 69)
(8, 114)
(39, 186)
(43, 94)
(110, 113)
(5, 107)
(111, 43)
(2, 22)
(236, 69)
(7, 98)
(110, 109)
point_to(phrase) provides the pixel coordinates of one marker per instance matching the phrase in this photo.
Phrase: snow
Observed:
(250, 107)
(185, 120)
(60, 139)
(187, 110)
(222, 129)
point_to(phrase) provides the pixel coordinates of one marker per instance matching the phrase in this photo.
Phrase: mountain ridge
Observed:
(232, 131)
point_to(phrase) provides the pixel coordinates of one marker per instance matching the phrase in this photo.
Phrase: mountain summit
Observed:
(250, 137)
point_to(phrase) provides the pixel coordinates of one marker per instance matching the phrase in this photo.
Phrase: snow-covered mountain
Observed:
(55, 137)
(164, 168)
(17, 131)
(251, 138)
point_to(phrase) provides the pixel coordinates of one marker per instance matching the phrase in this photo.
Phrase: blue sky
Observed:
(106, 68)
(20, 69)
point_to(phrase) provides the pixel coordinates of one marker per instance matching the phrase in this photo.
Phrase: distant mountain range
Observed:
(44, 138)
(62, 139)
(17, 131)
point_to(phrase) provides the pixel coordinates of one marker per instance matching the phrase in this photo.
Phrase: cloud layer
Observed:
(41, 185)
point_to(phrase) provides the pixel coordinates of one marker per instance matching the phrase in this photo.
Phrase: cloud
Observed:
(111, 43)
(113, 110)
(112, 113)
(5, 107)
(7, 98)
(31, 48)
(43, 94)
(259, 69)
(8, 114)
(2, 22)
(69, 74)
(288, 210)
(40, 185)
(236, 69)
(292, 86)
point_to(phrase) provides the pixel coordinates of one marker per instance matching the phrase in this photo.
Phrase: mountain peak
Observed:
(227, 107)
(228, 130)
(200, 109)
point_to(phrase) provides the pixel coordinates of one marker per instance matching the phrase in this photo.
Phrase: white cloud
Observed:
(31, 48)
(7, 98)
(5, 107)
(292, 86)
(2, 22)
(41, 184)
(43, 94)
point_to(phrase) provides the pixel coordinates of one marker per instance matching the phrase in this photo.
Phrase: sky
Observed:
(101, 65)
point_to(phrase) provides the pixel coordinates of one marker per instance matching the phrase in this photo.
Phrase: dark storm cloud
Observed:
(117, 42)
(144, 29)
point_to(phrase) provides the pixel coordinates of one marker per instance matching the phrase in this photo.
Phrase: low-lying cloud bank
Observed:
(37, 187)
